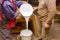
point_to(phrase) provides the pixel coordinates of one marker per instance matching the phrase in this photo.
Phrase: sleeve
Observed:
(52, 10)
(41, 4)
(19, 3)
(7, 6)
(12, 11)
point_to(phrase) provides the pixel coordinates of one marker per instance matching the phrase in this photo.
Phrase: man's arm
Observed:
(52, 10)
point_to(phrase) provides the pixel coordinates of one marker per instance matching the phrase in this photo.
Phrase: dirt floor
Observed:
(55, 32)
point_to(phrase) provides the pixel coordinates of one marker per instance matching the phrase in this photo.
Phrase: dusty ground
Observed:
(55, 32)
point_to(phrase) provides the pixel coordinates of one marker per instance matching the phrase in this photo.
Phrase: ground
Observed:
(54, 32)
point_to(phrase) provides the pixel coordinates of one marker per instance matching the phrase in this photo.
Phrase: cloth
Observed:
(5, 28)
(0, 14)
(5, 34)
(9, 23)
(46, 11)
(9, 9)
(2, 18)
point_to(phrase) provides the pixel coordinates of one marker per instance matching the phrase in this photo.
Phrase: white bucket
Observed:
(26, 35)
(26, 9)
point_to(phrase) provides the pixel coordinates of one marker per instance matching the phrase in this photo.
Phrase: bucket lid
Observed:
(26, 9)
(26, 33)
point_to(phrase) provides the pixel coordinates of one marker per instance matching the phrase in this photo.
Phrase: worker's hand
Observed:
(46, 26)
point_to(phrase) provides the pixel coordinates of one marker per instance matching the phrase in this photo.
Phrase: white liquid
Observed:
(26, 10)
(27, 19)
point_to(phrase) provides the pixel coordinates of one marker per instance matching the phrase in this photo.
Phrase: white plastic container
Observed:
(26, 9)
(26, 35)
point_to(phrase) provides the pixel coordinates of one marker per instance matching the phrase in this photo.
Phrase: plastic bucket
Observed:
(26, 35)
